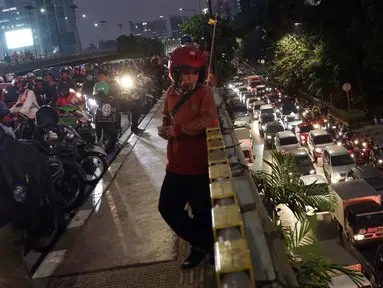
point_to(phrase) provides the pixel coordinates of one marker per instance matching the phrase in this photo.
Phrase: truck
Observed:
(253, 81)
(358, 211)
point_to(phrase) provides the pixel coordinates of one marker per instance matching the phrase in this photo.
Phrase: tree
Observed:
(281, 186)
(303, 250)
(137, 47)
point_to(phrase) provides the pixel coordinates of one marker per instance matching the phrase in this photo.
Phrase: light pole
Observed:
(120, 26)
(30, 8)
(42, 10)
(74, 7)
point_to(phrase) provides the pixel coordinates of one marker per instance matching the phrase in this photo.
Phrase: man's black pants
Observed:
(134, 106)
(178, 190)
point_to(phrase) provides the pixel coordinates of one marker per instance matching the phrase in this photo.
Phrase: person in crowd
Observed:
(189, 109)
(77, 76)
(87, 87)
(40, 91)
(27, 102)
(186, 40)
(9, 77)
(50, 87)
(11, 93)
(65, 77)
(2, 80)
(31, 80)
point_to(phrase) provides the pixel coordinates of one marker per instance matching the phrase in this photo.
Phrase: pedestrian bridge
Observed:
(56, 59)
(118, 239)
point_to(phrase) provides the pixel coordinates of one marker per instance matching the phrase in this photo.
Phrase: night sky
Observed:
(121, 12)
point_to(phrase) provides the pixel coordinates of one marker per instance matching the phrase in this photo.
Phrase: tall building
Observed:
(53, 23)
(175, 25)
(156, 28)
(136, 28)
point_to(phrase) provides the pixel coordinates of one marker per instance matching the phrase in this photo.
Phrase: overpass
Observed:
(55, 59)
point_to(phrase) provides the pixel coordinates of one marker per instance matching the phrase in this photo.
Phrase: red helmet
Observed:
(187, 57)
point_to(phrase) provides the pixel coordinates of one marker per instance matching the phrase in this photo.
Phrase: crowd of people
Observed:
(189, 109)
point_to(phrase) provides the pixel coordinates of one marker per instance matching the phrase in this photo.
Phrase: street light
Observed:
(83, 16)
(30, 8)
(42, 10)
(120, 26)
(95, 24)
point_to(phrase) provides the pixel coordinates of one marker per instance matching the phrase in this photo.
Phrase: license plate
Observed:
(104, 119)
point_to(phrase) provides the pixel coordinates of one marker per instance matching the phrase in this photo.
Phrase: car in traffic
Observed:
(303, 162)
(267, 109)
(286, 141)
(302, 131)
(241, 91)
(263, 120)
(260, 90)
(337, 162)
(271, 129)
(244, 96)
(250, 103)
(311, 179)
(317, 141)
(257, 108)
(291, 121)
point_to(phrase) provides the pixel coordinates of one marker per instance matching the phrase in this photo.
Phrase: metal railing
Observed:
(49, 56)
(247, 247)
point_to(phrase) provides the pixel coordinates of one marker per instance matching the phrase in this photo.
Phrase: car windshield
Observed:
(247, 154)
(268, 111)
(293, 119)
(274, 129)
(369, 220)
(306, 129)
(341, 160)
(274, 96)
(288, 141)
(322, 139)
(242, 89)
(267, 118)
(303, 160)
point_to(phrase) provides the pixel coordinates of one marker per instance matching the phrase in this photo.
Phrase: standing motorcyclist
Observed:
(50, 87)
(65, 72)
(65, 96)
(27, 102)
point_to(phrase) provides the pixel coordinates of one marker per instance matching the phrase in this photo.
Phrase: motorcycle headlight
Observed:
(92, 102)
(312, 171)
(269, 137)
(364, 144)
(20, 193)
(318, 150)
(352, 155)
(380, 161)
(70, 135)
(339, 143)
(303, 137)
(263, 127)
(356, 142)
(126, 82)
(106, 109)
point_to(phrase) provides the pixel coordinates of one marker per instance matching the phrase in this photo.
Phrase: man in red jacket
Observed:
(189, 109)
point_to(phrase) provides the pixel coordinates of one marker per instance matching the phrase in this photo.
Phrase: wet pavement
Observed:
(118, 239)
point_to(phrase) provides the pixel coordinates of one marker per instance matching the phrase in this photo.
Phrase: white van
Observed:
(266, 109)
(286, 141)
(317, 141)
(337, 162)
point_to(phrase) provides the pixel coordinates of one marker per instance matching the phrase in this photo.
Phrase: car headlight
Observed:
(333, 127)
(312, 171)
(289, 126)
(20, 193)
(325, 120)
(318, 150)
(69, 135)
(380, 161)
(126, 82)
(92, 102)
(335, 178)
(364, 144)
(269, 137)
(106, 110)
(358, 237)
